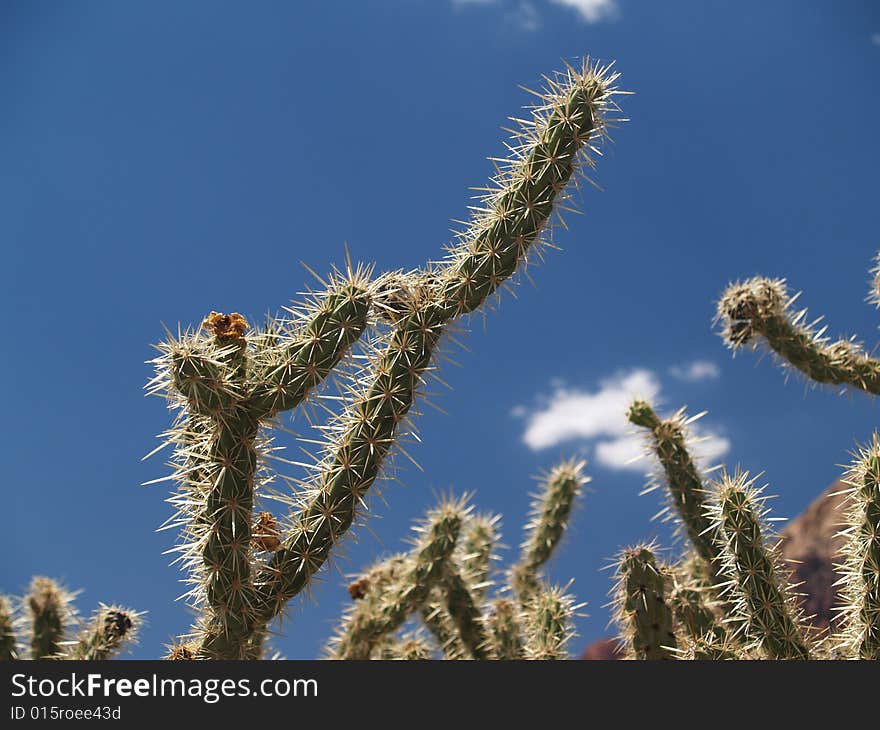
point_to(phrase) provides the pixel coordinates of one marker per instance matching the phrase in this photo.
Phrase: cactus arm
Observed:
(465, 612)
(8, 640)
(49, 611)
(391, 604)
(437, 620)
(548, 614)
(643, 611)
(506, 630)
(550, 513)
(685, 485)
(109, 631)
(353, 466)
(515, 212)
(693, 615)
(861, 568)
(302, 363)
(474, 557)
(760, 309)
(769, 613)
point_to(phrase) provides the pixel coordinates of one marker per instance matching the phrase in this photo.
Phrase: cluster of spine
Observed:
(229, 384)
(760, 310)
(444, 579)
(44, 625)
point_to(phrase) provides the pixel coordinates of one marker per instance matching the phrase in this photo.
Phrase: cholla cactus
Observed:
(551, 509)
(687, 495)
(45, 621)
(8, 640)
(760, 310)
(230, 384)
(861, 569)
(108, 632)
(448, 591)
(769, 612)
(641, 597)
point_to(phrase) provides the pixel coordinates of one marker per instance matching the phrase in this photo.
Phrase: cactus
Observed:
(768, 610)
(109, 630)
(505, 625)
(551, 509)
(643, 611)
(450, 596)
(687, 493)
(759, 310)
(49, 614)
(229, 384)
(861, 569)
(47, 619)
(547, 621)
(8, 639)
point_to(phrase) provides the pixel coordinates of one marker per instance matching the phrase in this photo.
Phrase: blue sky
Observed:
(160, 160)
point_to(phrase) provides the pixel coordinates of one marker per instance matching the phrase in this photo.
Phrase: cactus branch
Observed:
(551, 510)
(8, 641)
(760, 309)
(403, 586)
(861, 570)
(107, 633)
(49, 613)
(769, 613)
(643, 612)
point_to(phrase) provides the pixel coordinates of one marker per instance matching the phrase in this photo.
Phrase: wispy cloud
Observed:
(695, 371)
(597, 419)
(875, 39)
(526, 14)
(591, 11)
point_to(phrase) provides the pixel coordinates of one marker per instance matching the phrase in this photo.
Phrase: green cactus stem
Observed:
(8, 641)
(687, 495)
(438, 621)
(759, 590)
(861, 569)
(404, 587)
(643, 612)
(551, 510)
(694, 617)
(506, 630)
(109, 631)
(49, 613)
(759, 310)
(464, 610)
(548, 614)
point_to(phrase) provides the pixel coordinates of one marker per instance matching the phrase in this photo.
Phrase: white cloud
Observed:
(575, 414)
(598, 418)
(695, 371)
(525, 14)
(875, 39)
(591, 11)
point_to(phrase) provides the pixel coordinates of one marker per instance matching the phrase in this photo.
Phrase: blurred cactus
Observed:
(447, 589)
(45, 621)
